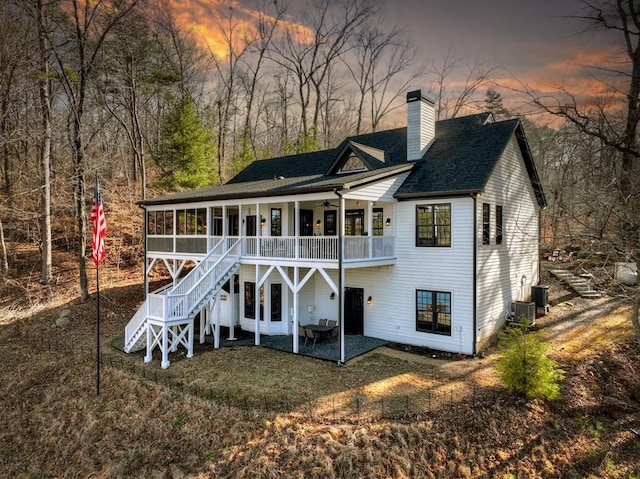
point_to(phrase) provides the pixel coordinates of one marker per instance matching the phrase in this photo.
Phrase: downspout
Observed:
(144, 265)
(538, 252)
(341, 354)
(475, 275)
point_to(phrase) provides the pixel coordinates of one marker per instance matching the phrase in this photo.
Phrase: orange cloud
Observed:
(221, 25)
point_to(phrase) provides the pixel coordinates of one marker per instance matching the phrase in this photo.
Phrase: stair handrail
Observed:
(178, 303)
(156, 303)
(212, 256)
(134, 324)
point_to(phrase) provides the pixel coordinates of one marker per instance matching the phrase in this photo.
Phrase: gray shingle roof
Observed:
(459, 161)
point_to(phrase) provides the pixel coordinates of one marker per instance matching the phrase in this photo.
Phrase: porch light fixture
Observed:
(388, 222)
(369, 300)
(332, 295)
(263, 221)
(318, 224)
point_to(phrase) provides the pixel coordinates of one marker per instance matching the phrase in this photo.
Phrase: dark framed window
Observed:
(276, 221)
(354, 222)
(433, 312)
(433, 225)
(377, 227)
(486, 223)
(498, 224)
(249, 299)
(276, 302)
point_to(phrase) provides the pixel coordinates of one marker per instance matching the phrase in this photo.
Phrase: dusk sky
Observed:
(532, 41)
(529, 38)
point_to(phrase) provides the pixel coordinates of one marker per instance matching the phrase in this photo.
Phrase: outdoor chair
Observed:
(309, 335)
(336, 330)
(302, 332)
(322, 322)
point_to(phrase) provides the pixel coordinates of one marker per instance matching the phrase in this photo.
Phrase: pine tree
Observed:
(523, 365)
(188, 151)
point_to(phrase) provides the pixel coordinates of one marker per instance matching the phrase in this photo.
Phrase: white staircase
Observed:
(166, 317)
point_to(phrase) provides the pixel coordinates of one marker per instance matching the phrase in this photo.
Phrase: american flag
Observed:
(99, 227)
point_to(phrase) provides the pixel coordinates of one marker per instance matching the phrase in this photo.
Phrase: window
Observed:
(486, 223)
(168, 222)
(216, 224)
(249, 299)
(433, 312)
(377, 228)
(498, 224)
(276, 221)
(151, 222)
(192, 222)
(276, 302)
(354, 222)
(433, 225)
(353, 163)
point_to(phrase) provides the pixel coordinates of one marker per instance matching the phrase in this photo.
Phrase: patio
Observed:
(355, 345)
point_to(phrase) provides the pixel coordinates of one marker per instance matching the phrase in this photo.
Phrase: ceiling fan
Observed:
(327, 204)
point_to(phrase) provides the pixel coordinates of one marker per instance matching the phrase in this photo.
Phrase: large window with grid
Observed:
(433, 225)
(377, 227)
(433, 312)
(249, 299)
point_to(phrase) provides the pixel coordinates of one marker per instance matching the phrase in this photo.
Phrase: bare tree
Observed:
(450, 102)
(613, 117)
(310, 50)
(259, 44)
(91, 22)
(381, 55)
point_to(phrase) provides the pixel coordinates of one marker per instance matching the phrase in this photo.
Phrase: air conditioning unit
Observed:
(524, 311)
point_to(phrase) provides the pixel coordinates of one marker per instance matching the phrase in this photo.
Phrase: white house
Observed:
(418, 235)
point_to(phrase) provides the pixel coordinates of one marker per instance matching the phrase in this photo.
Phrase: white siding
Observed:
(382, 190)
(507, 271)
(392, 314)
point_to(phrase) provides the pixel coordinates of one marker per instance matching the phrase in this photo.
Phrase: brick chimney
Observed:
(421, 124)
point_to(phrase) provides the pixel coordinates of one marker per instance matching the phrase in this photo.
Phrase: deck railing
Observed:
(312, 248)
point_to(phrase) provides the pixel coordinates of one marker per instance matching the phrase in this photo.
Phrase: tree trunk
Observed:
(634, 318)
(4, 263)
(45, 152)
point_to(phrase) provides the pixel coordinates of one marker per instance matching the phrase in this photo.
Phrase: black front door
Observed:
(306, 222)
(330, 223)
(353, 310)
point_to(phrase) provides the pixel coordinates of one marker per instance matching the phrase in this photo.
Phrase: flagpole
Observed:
(98, 312)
